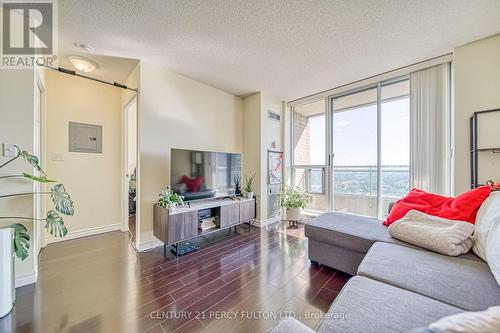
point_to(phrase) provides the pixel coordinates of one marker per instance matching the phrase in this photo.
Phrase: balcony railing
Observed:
(362, 180)
(355, 187)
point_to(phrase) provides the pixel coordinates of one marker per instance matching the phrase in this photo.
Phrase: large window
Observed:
(309, 151)
(368, 149)
(354, 143)
(395, 142)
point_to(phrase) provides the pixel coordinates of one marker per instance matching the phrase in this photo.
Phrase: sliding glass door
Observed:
(395, 143)
(371, 148)
(354, 143)
(354, 156)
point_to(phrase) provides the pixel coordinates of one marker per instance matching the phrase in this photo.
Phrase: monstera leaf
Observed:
(62, 201)
(31, 159)
(42, 179)
(21, 241)
(55, 224)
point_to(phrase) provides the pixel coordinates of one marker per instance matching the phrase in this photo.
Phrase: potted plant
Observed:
(18, 233)
(169, 199)
(237, 183)
(248, 189)
(293, 199)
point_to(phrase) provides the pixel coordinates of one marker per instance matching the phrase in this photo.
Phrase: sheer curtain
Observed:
(430, 130)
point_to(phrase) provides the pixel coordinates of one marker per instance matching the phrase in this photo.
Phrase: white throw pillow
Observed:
(487, 233)
(434, 233)
(469, 322)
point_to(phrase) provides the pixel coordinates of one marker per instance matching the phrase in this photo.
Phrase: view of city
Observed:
(362, 180)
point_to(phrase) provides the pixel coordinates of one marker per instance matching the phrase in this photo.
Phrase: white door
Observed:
(37, 151)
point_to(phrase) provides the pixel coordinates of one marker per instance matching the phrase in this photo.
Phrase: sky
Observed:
(355, 136)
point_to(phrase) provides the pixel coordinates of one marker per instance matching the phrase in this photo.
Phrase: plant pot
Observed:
(293, 214)
(7, 281)
(249, 195)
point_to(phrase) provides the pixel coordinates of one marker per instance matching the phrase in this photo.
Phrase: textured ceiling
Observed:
(287, 48)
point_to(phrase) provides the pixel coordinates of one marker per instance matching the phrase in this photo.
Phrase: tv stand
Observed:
(180, 225)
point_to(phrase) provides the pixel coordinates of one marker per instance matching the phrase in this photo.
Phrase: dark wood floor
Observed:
(238, 282)
(131, 228)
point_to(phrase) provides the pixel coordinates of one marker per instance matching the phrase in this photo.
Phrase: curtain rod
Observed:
(400, 71)
(74, 73)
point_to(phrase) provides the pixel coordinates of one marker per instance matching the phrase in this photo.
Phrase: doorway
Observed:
(130, 162)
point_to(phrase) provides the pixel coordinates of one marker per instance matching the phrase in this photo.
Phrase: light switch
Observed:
(57, 157)
(9, 150)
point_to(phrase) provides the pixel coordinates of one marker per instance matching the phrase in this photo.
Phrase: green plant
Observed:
(168, 197)
(54, 223)
(249, 183)
(237, 183)
(293, 197)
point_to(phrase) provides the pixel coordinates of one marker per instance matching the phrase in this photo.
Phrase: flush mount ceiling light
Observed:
(84, 47)
(82, 64)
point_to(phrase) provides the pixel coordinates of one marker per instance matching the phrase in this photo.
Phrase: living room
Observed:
(271, 177)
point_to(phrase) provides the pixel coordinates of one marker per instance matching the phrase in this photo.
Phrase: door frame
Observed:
(125, 176)
(39, 241)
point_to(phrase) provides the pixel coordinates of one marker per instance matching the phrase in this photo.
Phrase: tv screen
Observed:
(197, 174)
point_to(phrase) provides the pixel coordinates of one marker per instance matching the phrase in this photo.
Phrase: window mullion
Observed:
(379, 150)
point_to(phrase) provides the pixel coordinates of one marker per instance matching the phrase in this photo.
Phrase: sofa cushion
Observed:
(365, 305)
(355, 233)
(487, 234)
(466, 284)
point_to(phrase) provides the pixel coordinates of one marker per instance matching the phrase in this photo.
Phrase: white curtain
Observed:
(430, 130)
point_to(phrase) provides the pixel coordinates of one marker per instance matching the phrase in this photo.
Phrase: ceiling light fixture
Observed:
(84, 47)
(83, 64)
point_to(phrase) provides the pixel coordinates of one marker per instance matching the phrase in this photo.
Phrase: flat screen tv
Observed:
(197, 174)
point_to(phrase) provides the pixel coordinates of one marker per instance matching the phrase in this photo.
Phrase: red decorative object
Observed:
(192, 184)
(462, 208)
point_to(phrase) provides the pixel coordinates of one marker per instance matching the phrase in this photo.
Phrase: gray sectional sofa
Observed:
(396, 287)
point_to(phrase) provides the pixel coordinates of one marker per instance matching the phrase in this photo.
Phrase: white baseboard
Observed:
(151, 244)
(265, 222)
(26, 279)
(85, 233)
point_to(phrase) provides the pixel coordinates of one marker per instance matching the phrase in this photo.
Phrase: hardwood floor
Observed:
(131, 228)
(238, 282)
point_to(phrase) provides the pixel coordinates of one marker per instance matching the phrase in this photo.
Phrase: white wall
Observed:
(252, 145)
(271, 132)
(477, 88)
(92, 180)
(177, 112)
(17, 127)
(259, 134)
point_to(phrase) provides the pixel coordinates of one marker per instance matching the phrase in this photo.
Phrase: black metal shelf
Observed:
(493, 150)
(474, 150)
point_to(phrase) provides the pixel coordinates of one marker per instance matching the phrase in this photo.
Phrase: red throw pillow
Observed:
(462, 208)
(192, 184)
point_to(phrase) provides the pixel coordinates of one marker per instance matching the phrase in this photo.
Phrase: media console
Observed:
(182, 224)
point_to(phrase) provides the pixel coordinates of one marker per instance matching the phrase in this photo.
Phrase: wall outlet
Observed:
(9, 150)
(57, 157)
